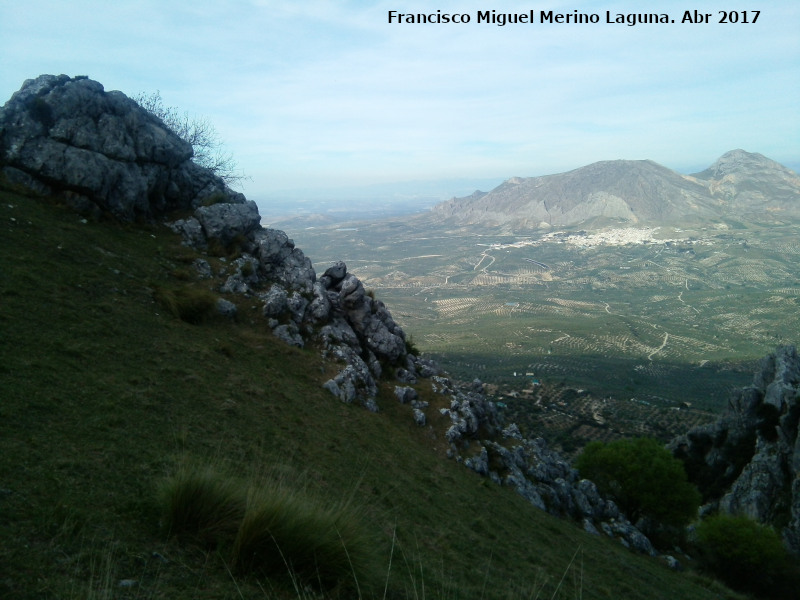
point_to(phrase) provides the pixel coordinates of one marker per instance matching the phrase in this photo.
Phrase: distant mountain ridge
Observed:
(739, 186)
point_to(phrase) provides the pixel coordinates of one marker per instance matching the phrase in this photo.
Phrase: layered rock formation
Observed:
(100, 151)
(748, 462)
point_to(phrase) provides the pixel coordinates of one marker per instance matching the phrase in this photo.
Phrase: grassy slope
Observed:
(102, 394)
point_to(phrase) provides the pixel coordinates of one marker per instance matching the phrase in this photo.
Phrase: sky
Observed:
(316, 96)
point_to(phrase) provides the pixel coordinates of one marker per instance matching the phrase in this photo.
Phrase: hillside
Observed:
(739, 186)
(177, 394)
(104, 394)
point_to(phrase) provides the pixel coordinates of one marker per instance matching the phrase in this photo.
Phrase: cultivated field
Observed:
(663, 316)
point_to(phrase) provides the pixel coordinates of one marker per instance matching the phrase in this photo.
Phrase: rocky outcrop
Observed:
(748, 462)
(478, 438)
(100, 151)
(106, 155)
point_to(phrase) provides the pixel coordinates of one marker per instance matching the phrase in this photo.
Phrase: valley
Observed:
(640, 319)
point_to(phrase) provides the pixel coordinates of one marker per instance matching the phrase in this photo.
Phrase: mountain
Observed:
(752, 186)
(739, 186)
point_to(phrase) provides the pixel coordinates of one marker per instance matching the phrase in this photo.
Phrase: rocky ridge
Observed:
(105, 155)
(748, 461)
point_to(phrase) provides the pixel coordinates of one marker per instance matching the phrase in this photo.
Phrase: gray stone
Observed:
(405, 376)
(226, 308)
(512, 431)
(320, 307)
(289, 334)
(332, 387)
(419, 417)
(335, 273)
(235, 284)
(191, 231)
(479, 463)
(405, 394)
(101, 151)
(280, 259)
(297, 307)
(275, 301)
(225, 222)
(203, 269)
(589, 527)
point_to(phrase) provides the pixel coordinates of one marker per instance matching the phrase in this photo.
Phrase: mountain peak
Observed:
(738, 161)
(739, 185)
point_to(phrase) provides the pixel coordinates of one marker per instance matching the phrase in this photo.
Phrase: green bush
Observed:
(747, 556)
(643, 478)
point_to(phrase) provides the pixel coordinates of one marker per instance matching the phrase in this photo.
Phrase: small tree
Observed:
(197, 131)
(643, 478)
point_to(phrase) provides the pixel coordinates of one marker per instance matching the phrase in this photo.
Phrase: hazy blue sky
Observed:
(325, 94)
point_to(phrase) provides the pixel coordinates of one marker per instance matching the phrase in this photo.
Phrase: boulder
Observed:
(101, 151)
(281, 261)
(405, 394)
(225, 222)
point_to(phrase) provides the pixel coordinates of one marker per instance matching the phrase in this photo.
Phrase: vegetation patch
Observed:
(202, 506)
(102, 388)
(643, 478)
(747, 556)
(284, 530)
(271, 530)
(189, 304)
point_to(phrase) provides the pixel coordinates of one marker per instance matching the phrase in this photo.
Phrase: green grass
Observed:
(105, 396)
(202, 506)
(323, 543)
(194, 306)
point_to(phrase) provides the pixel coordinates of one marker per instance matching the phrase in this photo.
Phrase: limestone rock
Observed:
(281, 260)
(100, 150)
(290, 334)
(405, 394)
(191, 231)
(747, 462)
(224, 221)
(276, 301)
(226, 308)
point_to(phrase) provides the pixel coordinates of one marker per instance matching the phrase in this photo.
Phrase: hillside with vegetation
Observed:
(190, 412)
(107, 395)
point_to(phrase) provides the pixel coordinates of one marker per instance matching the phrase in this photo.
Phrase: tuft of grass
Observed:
(284, 530)
(194, 306)
(202, 506)
(271, 530)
